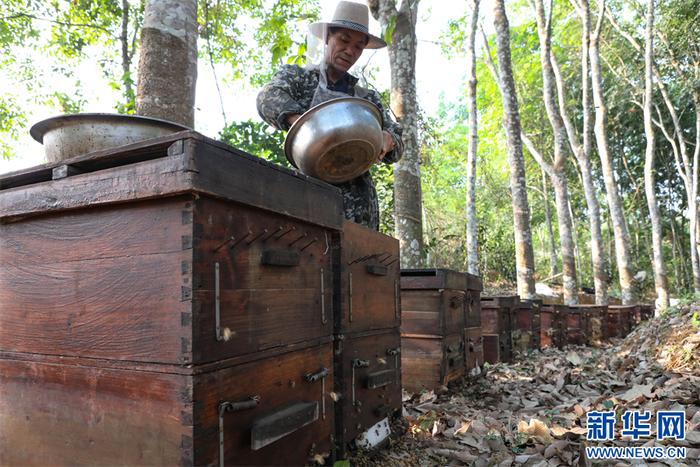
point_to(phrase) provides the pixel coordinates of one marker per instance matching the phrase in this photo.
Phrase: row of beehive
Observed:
(181, 302)
(522, 325)
(448, 330)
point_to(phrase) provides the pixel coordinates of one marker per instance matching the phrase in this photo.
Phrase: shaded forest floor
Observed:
(533, 412)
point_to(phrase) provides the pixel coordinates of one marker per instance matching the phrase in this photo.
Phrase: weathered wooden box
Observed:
(186, 255)
(368, 381)
(527, 333)
(595, 323)
(184, 272)
(434, 301)
(576, 326)
(552, 325)
(473, 309)
(494, 348)
(498, 318)
(275, 409)
(429, 361)
(619, 320)
(368, 278)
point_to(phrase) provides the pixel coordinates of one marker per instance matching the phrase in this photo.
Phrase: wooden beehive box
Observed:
(435, 306)
(497, 319)
(434, 301)
(552, 325)
(70, 411)
(527, 325)
(619, 320)
(576, 326)
(595, 323)
(473, 308)
(429, 361)
(368, 275)
(175, 266)
(368, 380)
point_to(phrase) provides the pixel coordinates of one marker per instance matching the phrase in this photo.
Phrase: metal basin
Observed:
(67, 136)
(337, 140)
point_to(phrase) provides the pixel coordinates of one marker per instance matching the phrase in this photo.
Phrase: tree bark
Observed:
(472, 253)
(525, 260)
(168, 63)
(649, 182)
(557, 171)
(622, 238)
(124, 39)
(404, 104)
(553, 261)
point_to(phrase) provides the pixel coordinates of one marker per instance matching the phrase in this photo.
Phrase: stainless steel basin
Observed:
(337, 140)
(66, 136)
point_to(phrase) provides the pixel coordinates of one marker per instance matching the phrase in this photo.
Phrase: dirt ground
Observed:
(533, 412)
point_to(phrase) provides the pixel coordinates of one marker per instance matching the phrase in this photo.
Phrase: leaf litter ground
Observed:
(533, 412)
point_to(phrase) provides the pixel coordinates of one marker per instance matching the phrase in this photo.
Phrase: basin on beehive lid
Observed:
(66, 136)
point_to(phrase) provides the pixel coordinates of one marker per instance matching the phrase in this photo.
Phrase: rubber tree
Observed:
(557, 169)
(660, 280)
(168, 62)
(472, 124)
(617, 216)
(400, 21)
(524, 256)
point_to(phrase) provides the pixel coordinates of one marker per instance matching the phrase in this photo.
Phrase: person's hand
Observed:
(387, 146)
(291, 118)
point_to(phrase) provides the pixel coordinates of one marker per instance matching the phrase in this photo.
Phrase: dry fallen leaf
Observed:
(320, 459)
(463, 429)
(574, 358)
(640, 390)
(535, 429)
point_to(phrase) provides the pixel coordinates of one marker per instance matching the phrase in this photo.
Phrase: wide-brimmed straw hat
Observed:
(349, 15)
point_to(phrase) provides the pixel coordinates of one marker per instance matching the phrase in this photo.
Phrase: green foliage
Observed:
(695, 320)
(258, 139)
(11, 121)
(388, 30)
(383, 177)
(65, 103)
(279, 34)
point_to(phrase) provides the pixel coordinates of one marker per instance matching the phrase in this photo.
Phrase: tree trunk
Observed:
(168, 63)
(622, 238)
(693, 206)
(568, 254)
(558, 169)
(126, 57)
(472, 253)
(649, 181)
(582, 153)
(404, 104)
(553, 262)
(678, 265)
(525, 260)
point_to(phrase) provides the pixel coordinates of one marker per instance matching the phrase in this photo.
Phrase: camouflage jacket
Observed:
(290, 92)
